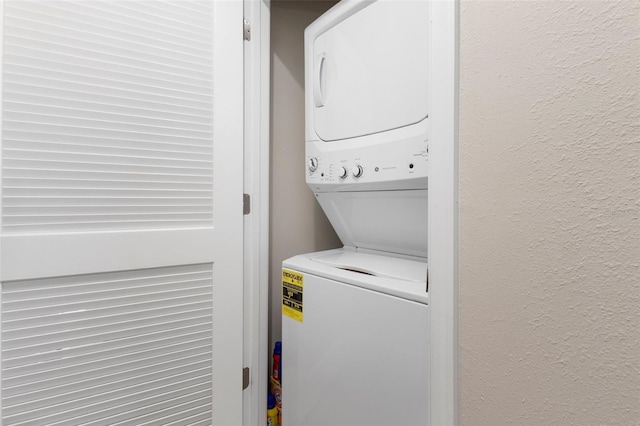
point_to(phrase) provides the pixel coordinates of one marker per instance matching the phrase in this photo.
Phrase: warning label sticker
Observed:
(292, 284)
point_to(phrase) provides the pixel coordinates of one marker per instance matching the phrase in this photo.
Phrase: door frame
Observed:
(443, 216)
(257, 57)
(228, 84)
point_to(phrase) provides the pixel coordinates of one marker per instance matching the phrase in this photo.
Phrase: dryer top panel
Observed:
(366, 67)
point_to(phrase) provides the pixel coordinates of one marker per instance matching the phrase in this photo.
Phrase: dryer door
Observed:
(370, 71)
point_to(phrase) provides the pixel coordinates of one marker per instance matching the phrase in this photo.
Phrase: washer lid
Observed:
(399, 277)
(375, 265)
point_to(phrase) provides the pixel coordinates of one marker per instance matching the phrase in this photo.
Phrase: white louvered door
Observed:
(121, 212)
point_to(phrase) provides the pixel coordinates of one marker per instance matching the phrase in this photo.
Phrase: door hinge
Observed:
(246, 376)
(246, 204)
(247, 30)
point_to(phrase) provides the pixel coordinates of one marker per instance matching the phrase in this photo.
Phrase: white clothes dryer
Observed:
(367, 98)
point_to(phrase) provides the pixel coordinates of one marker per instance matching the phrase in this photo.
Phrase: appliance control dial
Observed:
(313, 164)
(356, 171)
(342, 173)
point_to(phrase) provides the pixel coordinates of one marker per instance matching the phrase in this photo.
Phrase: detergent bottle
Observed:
(277, 362)
(272, 411)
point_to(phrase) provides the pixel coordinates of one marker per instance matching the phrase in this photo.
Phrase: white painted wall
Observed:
(549, 212)
(298, 225)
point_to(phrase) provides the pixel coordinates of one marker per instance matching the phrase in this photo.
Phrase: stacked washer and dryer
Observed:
(355, 319)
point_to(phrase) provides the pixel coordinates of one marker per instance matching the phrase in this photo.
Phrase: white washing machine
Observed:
(355, 340)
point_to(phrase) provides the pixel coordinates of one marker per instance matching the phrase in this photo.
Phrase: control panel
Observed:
(396, 164)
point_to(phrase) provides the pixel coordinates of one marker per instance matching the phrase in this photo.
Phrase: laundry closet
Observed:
(365, 160)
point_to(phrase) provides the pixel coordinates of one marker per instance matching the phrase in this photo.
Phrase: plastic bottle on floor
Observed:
(272, 411)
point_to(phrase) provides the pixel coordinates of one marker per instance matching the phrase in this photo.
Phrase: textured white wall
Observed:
(298, 224)
(550, 201)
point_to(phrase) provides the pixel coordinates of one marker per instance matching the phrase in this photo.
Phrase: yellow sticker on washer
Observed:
(292, 285)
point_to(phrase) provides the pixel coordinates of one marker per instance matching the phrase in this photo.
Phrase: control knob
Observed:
(342, 174)
(356, 171)
(313, 164)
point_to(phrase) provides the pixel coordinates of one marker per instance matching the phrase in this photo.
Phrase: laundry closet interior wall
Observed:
(298, 224)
